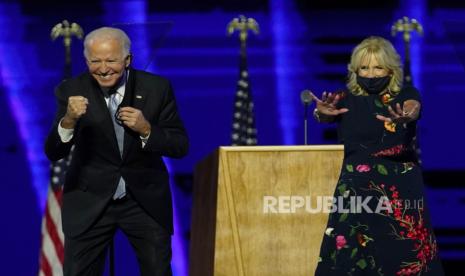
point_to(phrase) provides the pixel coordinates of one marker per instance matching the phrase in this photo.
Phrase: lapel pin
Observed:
(138, 97)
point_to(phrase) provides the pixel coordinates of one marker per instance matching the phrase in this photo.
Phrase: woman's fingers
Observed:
(384, 118)
(392, 112)
(342, 110)
(399, 109)
(330, 98)
(315, 98)
(336, 100)
(324, 96)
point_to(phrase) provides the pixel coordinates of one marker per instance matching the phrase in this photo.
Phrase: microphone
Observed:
(306, 98)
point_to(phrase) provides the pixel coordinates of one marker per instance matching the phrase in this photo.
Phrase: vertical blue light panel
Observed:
(283, 14)
(17, 65)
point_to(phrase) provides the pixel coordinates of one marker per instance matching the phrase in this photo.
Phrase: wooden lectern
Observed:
(235, 228)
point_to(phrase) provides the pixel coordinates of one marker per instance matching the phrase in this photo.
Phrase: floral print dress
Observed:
(381, 225)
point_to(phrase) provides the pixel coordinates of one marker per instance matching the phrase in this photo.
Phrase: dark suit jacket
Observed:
(96, 164)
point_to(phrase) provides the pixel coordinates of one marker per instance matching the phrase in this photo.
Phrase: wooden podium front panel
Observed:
(252, 242)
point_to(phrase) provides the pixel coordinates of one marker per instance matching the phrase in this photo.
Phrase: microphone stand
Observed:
(305, 123)
(306, 98)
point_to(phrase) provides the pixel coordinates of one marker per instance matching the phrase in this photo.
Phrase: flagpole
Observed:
(243, 131)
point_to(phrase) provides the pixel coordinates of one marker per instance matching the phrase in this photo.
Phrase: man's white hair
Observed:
(108, 33)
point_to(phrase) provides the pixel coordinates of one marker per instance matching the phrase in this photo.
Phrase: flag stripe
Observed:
(45, 268)
(54, 236)
(51, 256)
(54, 209)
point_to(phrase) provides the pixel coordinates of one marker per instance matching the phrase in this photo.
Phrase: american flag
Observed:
(52, 250)
(244, 132)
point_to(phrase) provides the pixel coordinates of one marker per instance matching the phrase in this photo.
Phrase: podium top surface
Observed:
(283, 148)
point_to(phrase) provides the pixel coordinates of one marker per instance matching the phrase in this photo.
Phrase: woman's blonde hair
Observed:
(385, 54)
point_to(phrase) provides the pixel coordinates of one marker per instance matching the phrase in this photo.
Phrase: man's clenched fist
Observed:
(77, 106)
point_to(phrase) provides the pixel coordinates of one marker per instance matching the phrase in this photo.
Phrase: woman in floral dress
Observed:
(381, 225)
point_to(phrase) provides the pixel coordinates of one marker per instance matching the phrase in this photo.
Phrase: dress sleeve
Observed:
(409, 93)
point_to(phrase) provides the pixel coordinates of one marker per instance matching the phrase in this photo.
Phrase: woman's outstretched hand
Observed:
(327, 104)
(408, 113)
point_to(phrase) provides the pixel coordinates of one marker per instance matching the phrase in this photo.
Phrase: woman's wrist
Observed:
(322, 118)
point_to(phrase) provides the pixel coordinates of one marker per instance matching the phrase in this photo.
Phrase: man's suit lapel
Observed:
(139, 96)
(134, 97)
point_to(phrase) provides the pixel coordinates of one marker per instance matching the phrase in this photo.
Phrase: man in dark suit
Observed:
(121, 122)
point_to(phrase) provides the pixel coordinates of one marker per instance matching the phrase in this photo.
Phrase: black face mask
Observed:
(373, 85)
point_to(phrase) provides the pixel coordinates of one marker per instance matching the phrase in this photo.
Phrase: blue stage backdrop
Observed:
(301, 46)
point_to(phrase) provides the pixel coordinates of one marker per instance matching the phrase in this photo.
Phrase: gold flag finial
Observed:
(67, 31)
(243, 25)
(406, 26)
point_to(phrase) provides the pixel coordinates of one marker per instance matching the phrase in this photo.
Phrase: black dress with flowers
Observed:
(383, 227)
